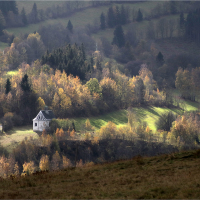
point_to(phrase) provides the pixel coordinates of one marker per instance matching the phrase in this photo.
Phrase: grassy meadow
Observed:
(11, 138)
(149, 114)
(28, 5)
(173, 176)
(90, 15)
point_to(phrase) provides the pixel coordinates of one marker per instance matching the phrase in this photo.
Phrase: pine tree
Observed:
(119, 38)
(34, 14)
(25, 84)
(182, 20)
(8, 86)
(110, 18)
(160, 58)
(70, 26)
(123, 15)
(102, 21)
(24, 18)
(173, 7)
(13, 7)
(139, 16)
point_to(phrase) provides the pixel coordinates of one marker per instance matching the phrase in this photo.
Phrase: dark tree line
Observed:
(6, 6)
(25, 110)
(192, 25)
(115, 16)
(71, 59)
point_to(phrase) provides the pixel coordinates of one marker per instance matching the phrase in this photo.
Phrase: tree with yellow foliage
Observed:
(41, 103)
(29, 167)
(66, 162)
(44, 163)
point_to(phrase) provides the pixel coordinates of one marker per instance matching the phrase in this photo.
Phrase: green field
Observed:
(89, 15)
(28, 5)
(148, 114)
(82, 18)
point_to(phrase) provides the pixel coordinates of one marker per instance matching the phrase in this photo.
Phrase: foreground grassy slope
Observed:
(174, 176)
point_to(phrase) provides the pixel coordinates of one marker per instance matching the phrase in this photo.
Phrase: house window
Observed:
(35, 124)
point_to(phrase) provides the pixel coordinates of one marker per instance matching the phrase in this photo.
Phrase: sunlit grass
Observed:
(11, 138)
(12, 73)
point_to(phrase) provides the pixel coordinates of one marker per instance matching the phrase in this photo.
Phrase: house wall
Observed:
(41, 125)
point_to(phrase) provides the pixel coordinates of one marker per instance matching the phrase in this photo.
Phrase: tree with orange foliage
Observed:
(60, 134)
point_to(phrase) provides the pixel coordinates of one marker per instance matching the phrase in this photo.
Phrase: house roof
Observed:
(45, 115)
(48, 114)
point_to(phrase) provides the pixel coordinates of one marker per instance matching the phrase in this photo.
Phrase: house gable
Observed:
(40, 117)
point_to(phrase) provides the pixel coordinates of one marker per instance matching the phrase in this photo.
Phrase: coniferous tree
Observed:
(123, 15)
(13, 7)
(102, 21)
(110, 18)
(34, 14)
(173, 7)
(24, 18)
(7, 6)
(160, 58)
(70, 26)
(182, 20)
(139, 16)
(119, 38)
(117, 16)
(25, 84)
(8, 86)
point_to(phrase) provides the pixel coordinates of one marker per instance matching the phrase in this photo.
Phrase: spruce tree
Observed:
(13, 7)
(102, 21)
(8, 86)
(25, 84)
(123, 15)
(119, 38)
(24, 18)
(173, 7)
(160, 58)
(70, 26)
(34, 14)
(182, 20)
(139, 16)
(110, 18)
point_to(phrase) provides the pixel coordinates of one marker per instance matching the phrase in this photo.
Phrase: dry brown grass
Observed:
(167, 176)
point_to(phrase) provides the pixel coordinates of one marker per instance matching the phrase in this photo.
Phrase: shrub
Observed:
(65, 124)
(165, 121)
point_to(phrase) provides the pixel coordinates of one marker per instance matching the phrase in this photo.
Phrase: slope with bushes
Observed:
(170, 176)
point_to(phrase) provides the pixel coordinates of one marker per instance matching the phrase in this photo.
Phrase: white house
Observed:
(42, 120)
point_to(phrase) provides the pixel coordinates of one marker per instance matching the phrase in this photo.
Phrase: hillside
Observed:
(173, 176)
